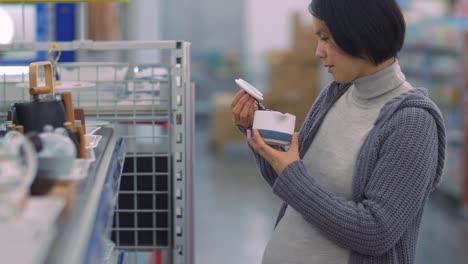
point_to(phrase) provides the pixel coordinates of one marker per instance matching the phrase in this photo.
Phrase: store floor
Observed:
(235, 211)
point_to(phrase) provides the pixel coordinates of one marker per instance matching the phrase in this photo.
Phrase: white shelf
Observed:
(75, 234)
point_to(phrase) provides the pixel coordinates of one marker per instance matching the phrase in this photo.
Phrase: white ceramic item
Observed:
(250, 89)
(18, 166)
(275, 127)
(58, 154)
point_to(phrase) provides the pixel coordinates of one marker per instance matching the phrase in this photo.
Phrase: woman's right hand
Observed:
(243, 108)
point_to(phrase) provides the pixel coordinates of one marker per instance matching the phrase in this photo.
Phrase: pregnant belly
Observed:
(295, 241)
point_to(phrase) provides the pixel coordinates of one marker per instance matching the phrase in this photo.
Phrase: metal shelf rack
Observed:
(150, 106)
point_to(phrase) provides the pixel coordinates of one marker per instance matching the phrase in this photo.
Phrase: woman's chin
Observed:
(341, 79)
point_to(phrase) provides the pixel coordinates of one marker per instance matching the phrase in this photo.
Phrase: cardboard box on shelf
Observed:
(293, 78)
(304, 40)
(294, 75)
(223, 128)
(102, 21)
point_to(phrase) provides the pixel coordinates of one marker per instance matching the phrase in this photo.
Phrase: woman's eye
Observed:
(324, 39)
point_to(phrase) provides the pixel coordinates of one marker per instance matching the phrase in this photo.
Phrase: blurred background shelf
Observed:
(434, 57)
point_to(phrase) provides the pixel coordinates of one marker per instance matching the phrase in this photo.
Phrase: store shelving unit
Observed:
(151, 107)
(465, 120)
(438, 65)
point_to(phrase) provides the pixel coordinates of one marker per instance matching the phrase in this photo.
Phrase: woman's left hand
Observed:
(278, 159)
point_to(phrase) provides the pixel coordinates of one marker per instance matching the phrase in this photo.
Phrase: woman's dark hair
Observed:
(368, 29)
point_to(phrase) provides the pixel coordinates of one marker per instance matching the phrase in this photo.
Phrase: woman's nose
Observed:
(319, 52)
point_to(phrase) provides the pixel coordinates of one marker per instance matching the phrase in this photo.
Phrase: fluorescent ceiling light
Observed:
(6, 29)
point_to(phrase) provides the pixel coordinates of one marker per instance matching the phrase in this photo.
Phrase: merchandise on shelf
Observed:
(432, 58)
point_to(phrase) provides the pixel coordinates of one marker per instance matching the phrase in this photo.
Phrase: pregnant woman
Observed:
(357, 176)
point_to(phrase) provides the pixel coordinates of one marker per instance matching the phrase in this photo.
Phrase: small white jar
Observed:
(275, 127)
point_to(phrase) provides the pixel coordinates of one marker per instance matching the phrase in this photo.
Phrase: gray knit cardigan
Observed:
(399, 164)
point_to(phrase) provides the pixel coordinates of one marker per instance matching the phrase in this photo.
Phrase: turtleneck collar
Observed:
(368, 89)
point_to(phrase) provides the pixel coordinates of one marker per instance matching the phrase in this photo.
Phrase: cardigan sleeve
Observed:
(265, 168)
(395, 192)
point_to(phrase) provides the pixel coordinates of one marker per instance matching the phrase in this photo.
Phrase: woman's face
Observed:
(343, 67)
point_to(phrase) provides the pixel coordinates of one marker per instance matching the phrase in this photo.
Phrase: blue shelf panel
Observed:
(65, 27)
(103, 222)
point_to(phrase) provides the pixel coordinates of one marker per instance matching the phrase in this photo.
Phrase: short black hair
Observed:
(368, 29)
